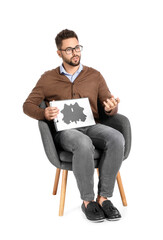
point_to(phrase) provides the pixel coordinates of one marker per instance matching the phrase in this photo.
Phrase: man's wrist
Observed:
(108, 111)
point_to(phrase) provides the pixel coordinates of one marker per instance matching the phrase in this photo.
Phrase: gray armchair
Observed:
(63, 160)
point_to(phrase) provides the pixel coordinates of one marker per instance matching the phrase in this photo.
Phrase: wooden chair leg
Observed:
(98, 172)
(121, 189)
(56, 181)
(63, 192)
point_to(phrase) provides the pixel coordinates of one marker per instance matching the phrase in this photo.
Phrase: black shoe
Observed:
(93, 212)
(111, 212)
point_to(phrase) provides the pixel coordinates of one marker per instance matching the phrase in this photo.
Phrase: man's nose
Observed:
(73, 51)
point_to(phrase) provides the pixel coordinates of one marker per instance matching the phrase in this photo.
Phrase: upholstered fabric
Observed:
(65, 156)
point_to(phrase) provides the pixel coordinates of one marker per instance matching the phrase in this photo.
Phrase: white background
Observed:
(124, 41)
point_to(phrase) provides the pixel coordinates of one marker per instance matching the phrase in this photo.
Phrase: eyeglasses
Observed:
(69, 50)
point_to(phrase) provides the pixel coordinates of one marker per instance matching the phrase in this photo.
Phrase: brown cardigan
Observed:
(54, 86)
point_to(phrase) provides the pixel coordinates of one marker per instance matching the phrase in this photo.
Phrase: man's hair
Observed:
(64, 34)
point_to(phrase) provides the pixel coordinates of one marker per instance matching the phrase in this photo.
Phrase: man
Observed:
(74, 80)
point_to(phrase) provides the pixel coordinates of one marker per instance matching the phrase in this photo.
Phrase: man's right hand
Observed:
(51, 113)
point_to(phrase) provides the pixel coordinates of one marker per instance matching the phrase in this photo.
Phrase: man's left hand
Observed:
(110, 104)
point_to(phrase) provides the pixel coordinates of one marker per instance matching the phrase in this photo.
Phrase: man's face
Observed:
(72, 59)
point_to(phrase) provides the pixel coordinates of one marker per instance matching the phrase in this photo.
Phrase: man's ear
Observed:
(59, 53)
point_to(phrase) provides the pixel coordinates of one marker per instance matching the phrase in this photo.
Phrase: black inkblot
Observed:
(73, 113)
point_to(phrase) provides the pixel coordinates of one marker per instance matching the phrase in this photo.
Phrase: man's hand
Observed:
(51, 113)
(110, 104)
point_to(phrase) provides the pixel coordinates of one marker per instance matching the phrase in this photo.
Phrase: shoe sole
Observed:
(113, 220)
(95, 221)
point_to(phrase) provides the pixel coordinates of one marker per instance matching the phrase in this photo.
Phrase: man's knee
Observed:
(84, 144)
(116, 139)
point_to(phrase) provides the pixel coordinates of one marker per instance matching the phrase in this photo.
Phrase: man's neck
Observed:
(70, 69)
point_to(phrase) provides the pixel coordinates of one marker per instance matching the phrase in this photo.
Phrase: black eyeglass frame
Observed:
(81, 48)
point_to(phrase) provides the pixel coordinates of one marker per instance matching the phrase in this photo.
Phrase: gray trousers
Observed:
(82, 142)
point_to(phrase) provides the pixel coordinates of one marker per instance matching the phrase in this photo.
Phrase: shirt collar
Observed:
(63, 71)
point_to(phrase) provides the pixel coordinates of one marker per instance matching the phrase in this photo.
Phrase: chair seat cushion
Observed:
(66, 156)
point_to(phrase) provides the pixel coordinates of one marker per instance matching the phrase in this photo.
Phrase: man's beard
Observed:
(71, 63)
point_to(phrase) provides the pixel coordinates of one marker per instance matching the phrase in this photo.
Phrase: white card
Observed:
(73, 113)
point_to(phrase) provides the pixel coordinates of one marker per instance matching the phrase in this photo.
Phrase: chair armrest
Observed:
(48, 143)
(122, 124)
